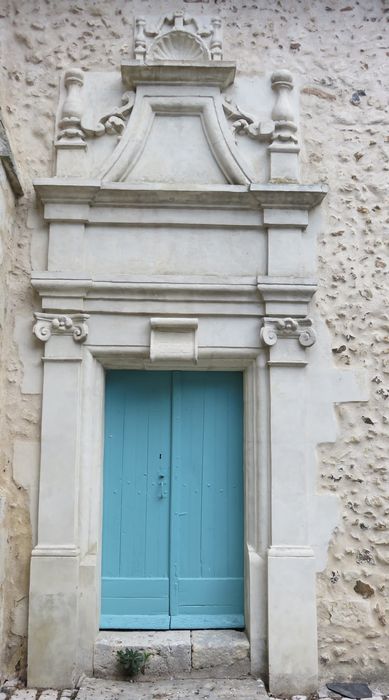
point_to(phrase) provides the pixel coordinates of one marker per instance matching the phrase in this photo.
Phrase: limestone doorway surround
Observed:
(180, 237)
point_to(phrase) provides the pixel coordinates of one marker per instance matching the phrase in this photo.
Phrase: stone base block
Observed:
(220, 654)
(170, 653)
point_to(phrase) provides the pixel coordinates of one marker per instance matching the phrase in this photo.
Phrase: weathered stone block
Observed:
(220, 653)
(170, 653)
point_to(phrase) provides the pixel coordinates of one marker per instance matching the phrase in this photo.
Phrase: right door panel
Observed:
(206, 565)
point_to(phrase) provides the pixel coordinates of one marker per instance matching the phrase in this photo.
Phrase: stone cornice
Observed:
(96, 192)
(221, 73)
(70, 291)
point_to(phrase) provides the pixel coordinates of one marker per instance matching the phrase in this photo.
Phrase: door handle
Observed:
(162, 493)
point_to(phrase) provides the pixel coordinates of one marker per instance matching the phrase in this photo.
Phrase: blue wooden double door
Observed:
(173, 501)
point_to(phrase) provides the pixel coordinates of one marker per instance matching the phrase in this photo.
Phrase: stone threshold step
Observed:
(198, 689)
(176, 654)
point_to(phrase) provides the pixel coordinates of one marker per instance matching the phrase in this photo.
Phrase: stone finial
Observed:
(47, 325)
(282, 114)
(284, 148)
(70, 132)
(178, 19)
(275, 328)
(140, 39)
(216, 40)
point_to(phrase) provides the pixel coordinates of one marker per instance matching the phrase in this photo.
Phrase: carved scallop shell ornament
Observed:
(178, 45)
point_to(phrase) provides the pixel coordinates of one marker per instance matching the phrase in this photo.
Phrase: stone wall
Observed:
(15, 537)
(339, 53)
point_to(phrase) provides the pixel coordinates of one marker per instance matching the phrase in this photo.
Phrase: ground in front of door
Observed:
(95, 689)
(199, 689)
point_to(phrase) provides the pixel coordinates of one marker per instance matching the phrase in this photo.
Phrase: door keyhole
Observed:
(162, 493)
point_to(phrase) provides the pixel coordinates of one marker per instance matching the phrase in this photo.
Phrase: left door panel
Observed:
(135, 561)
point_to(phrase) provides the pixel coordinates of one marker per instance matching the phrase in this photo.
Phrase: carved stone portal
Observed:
(179, 233)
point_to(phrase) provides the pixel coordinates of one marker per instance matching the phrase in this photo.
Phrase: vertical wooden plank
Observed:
(135, 589)
(112, 481)
(209, 432)
(174, 490)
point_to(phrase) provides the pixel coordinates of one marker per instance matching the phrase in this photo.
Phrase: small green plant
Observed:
(132, 661)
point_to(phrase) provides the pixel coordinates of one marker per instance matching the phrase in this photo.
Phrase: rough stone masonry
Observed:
(339, 51)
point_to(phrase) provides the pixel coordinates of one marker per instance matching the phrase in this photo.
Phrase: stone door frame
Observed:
(65, 566)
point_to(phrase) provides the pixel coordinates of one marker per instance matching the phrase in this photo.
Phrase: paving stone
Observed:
(170, 653)
(323, 692)
(3, 696)
(24, 694)
(220, 653)
(199, 689)
(49, 695)
(382, 689)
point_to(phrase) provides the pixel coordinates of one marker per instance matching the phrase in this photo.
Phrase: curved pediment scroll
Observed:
(177, 137)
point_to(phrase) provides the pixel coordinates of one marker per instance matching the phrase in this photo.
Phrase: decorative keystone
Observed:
(275, 328)
(47, 325)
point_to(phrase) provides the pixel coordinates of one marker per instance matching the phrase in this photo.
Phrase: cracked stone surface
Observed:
(247, 689)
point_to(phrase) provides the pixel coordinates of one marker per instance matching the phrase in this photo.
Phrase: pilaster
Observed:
(292, 627)
(54, 579)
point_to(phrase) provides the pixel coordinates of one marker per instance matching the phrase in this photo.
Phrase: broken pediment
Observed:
(173, 122)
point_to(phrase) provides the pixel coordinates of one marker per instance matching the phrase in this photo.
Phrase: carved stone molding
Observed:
(47, 325)
(275, 328)
(113, 121)
(244, 123)
(178, 37)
